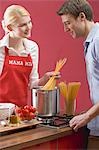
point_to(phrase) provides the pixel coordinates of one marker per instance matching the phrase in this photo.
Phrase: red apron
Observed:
(14, 79)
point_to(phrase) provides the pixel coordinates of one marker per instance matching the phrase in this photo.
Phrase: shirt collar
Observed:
(92, 33)
(90, 37)
(5, 42)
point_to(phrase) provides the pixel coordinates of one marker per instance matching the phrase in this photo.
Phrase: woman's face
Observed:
(22, 29)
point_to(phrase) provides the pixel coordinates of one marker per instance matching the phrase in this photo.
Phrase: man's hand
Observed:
(79, 121)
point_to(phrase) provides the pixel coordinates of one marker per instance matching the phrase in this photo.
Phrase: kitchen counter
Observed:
(33, 137)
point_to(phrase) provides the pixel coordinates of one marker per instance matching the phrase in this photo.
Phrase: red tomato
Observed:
(30, 108)
(21, 116)
(26, 107)
(32, 116)
(25, 111)
(33, 110)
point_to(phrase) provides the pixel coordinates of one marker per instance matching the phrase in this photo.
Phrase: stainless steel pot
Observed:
(46, 102)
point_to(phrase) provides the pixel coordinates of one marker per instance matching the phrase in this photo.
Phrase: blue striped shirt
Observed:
(92, 67)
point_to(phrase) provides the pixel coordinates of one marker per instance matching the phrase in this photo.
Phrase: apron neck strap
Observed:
(6, 51)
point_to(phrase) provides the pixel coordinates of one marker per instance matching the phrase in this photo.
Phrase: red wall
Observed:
(55, 44)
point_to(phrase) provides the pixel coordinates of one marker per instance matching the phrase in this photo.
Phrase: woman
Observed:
(18, 58)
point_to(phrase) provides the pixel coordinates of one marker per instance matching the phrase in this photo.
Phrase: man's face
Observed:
(75, 27)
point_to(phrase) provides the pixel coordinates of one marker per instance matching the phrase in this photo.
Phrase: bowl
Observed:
(6, 109)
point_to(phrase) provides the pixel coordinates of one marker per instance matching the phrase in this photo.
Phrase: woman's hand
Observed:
(47, 76)
(79, 121)
(52, 73)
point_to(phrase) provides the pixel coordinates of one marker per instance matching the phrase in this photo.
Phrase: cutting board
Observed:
(12, 128)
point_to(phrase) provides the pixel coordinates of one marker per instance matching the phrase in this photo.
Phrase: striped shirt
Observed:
(92, 68)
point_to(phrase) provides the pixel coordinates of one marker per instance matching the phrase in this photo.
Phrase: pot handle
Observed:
(58, 100)
(35, 98)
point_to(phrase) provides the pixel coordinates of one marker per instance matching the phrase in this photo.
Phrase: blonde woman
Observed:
(18, 58)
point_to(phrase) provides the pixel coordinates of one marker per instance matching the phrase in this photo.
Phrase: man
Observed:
(77, 18)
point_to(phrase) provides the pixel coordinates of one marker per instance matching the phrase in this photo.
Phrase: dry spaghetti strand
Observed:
(63, 89)
(60, 64)
(50, 85)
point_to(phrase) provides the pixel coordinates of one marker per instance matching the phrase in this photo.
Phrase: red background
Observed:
(54, 43)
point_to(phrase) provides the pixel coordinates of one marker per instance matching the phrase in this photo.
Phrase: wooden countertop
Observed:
(31, 137)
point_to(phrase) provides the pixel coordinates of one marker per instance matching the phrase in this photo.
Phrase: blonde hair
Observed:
(12, 14)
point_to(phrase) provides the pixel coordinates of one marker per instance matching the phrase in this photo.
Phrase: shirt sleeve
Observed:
(34, 52)
(95, 62)
(96, 49)
(2, 56)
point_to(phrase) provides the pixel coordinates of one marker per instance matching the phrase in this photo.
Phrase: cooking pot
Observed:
(46, 102)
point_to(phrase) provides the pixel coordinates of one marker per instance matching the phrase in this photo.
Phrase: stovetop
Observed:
(58, 121)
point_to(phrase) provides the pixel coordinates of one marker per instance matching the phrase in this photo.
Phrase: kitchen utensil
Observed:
(69, 92)
(6, 109)
(47, 102)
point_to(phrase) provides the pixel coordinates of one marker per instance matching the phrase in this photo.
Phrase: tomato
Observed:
(33, 110)
(21, 116)
(32, 116)
(26, 107)
(30, 108)
(26, 113)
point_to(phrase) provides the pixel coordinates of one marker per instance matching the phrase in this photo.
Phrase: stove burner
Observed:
(56, 121)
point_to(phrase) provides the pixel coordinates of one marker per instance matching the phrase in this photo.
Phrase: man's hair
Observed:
(75, 7)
